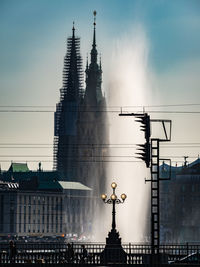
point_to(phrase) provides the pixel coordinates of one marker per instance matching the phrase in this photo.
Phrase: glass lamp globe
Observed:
(103, 196)
(123, 196)
(113, 185)
(113, 197)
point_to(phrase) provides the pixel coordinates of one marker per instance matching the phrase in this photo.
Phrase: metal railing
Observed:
(56, 253)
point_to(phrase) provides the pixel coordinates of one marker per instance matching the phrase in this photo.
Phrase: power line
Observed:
(89, 161)
(95, 144)
(88, 147)
(117, 106)
(103, 111)
(88, 156)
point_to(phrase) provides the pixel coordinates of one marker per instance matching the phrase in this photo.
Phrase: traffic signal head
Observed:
(145, 153)
(144, 119)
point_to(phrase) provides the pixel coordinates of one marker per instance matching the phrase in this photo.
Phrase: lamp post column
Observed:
(113, 251)
(113, 214)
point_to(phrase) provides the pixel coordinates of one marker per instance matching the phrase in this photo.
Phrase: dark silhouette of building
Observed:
(67, 111)
(93, 127)
(81, 129)
(180, 200)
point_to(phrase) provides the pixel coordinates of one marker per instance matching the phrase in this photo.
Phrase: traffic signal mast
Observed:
(145, 153)
(150, 154)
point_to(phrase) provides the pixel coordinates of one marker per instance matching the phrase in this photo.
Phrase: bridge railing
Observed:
(57, 252)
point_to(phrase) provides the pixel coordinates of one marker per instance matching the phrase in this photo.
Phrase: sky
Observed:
(33, 44)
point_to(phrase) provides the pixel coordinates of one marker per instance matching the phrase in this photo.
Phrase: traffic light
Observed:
(145, 149)
(145, 153)
(144, 119)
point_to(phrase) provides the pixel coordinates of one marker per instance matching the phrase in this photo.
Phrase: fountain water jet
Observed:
(129, 86)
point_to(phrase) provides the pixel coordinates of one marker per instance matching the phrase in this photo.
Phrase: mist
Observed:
(129, 86)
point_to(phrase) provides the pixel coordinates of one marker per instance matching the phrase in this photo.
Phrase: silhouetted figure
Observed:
(12, 251)
(70, 253)
(84, 254)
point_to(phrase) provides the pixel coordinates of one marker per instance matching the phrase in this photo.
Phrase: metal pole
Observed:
(113, 214)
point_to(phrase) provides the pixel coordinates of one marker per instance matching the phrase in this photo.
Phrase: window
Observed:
(193, 188)
(38, 225)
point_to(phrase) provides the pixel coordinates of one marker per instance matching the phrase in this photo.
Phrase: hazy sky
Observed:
(33, 43)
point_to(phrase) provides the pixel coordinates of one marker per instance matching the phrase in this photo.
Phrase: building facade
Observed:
(180, 201)
(38, 204)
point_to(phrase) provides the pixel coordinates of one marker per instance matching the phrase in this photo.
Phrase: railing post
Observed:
(187, 248)
(129, 260)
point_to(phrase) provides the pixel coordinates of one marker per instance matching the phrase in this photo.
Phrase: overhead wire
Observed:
(106, 111)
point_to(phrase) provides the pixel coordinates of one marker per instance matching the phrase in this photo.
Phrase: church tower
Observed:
(93, 125)
(66, 115)
(93, 93)
(81, 128)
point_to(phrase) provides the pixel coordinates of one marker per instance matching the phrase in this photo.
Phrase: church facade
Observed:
(81, 124)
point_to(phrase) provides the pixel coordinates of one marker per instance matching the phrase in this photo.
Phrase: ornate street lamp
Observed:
(113, 251)
(113, 200)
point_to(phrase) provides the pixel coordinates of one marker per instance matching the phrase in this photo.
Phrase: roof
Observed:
(19, 167)
(48, 185)
(74, 186)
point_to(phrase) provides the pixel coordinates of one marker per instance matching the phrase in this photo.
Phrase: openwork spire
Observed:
(72, 71)
(66, 115)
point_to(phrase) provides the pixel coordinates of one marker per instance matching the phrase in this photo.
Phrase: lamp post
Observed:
(113, 200)
(113, 251)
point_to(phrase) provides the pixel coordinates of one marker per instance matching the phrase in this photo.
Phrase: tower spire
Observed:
(94, 51)
(94, 34)
(73, 31)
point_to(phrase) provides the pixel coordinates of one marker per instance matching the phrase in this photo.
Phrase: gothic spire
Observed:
(94, 34)
(72, 73)
(93, 93)
(94, 51)
(73, 31)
